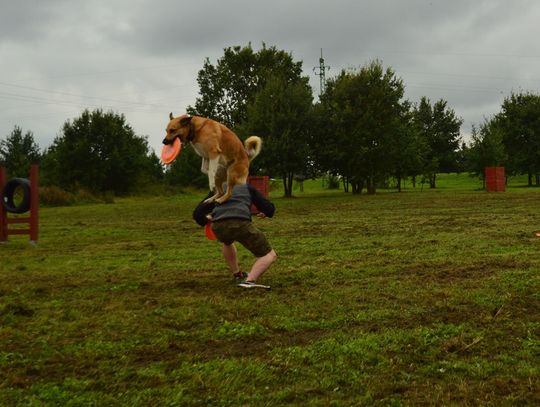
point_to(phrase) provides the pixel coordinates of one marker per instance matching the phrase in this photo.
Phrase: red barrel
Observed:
(495, 179)
(261, 183)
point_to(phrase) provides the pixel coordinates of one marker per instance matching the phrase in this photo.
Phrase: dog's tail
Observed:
(253, 146)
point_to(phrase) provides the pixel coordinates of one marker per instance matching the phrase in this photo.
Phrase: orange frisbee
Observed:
(169, 152)
(209, 232)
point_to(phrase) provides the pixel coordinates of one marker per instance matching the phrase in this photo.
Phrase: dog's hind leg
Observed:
(213, 168)
(236, 175)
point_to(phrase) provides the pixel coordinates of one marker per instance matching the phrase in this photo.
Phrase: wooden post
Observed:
(34, 203)
(3, 212)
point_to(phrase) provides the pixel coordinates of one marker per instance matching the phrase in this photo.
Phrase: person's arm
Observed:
(203, 209)
(260, 202)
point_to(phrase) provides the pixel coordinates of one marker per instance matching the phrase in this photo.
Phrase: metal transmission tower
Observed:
(321, 73)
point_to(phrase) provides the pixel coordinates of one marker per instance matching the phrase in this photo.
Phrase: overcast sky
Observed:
(141, 57)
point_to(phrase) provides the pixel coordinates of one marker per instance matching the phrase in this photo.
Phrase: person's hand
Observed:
(261, 215)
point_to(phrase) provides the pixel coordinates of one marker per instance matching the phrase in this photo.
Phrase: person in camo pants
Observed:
(231, 222)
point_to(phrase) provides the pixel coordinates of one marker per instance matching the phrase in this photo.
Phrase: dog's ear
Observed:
(171, 116)
(186, 120)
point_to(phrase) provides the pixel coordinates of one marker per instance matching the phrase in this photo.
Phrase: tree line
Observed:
(361, 131)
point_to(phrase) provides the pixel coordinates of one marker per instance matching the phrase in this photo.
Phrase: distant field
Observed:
(445, 182)
(418, 298)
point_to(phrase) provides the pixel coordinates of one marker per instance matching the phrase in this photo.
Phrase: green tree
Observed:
(18, 152)
(440, 128)
(519, 122)
(486, 149)
(227, 88)
(101, 152)
(410, 149)
(327, 152)
(365, 111)
(281, 114)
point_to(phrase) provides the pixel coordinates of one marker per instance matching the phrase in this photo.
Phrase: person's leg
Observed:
(255, 241)
(229, 254)
(261, 265)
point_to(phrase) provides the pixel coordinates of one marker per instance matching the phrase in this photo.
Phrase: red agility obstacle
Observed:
(29, 202)
(261, 183)
(495, 179)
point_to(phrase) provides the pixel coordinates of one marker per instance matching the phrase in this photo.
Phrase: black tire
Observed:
(9, 192)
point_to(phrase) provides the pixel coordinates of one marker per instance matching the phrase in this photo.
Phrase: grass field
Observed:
(414, 298)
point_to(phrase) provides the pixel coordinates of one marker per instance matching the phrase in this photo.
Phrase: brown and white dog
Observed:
(224, 158)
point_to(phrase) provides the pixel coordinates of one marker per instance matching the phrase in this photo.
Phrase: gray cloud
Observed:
(141, 57)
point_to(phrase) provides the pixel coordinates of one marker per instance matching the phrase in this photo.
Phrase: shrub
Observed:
(84, 196)
(55, 196)
(331, 181)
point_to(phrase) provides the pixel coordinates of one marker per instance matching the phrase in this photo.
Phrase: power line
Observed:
(101, 99)
(453, 54)
(122, 71)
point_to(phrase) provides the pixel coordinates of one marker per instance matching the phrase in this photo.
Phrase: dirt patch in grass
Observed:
(17, 309)
(488, 392)
(455, 273)
(256, 347)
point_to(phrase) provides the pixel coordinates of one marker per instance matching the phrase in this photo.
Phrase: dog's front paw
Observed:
(210, 200)
(222, 199)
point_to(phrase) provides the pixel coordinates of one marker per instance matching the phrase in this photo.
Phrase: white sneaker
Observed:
(253, 284)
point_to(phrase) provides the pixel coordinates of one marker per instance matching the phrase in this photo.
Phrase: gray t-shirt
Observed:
(238, 206)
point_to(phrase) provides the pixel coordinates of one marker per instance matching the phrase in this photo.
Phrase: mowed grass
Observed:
(413, 298)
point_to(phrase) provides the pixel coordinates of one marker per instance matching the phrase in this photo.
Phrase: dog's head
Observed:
(179, 127)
